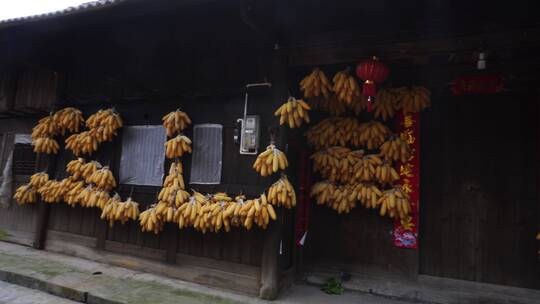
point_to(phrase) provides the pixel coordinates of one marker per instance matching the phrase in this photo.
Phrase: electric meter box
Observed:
(249, 137)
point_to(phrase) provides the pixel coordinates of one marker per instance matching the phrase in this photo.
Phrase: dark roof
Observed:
(87, 6)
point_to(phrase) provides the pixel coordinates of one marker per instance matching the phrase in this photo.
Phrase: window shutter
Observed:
(6, 146)
(142, 157)
(207, 154)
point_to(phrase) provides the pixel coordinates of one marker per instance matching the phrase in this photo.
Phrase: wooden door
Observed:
(479, 203)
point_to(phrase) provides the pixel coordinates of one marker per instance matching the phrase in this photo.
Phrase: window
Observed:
(207, 154)
(17, 161)
(24, 158)
(6, 147)
(142, 157)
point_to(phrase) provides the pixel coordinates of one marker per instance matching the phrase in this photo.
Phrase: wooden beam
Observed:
(270, 271)
(322, 50)
(48, 163)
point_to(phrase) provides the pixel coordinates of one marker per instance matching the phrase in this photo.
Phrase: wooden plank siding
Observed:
(18, 221)
(202, 73)
(479, 205)
(358, 242)
(206, 80)
(479, 211)
(237, 246)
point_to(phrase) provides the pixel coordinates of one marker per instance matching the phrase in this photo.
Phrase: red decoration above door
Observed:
(478, 84)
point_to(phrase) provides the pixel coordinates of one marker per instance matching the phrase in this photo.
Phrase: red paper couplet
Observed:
(406, 231)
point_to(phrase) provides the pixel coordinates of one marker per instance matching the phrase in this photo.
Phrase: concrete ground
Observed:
(91, 282)
(15, 294)
(312, 295)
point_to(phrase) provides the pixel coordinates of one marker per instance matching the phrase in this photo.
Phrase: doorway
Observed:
(479, 189)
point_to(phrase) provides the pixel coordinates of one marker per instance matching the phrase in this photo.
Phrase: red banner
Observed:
(303, 201)
(406, 230)
(477, 84)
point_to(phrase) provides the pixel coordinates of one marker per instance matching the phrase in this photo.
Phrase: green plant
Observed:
(3, 234)
(333, 286)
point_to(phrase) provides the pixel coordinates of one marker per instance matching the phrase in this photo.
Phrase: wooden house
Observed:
(479, 206)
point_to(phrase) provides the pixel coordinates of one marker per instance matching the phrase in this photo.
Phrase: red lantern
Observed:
(372, 71)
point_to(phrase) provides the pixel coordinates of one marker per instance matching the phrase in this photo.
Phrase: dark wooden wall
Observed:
(145, 71)
(159, 63)
(479, 210)
(238, 176)
(237, 246)
(18, 222)
(358, 242)
(479, 189)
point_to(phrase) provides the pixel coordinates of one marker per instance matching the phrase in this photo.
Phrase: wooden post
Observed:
(171, 231)
(106, 156)
(101, 234)
(270, 256)
(47, 162)
(270, 260)
(538, 167)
